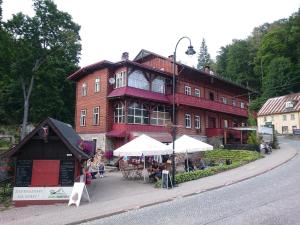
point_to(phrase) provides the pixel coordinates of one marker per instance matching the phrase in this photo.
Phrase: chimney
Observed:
(207, 69)
(125, 56)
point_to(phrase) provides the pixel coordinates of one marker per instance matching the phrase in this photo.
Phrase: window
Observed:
(160, 116)
(119, 113)
(242, 105)
(225, 123)
(289, 104)
(121, 79)
(187, 90)
(233, 102)
(138, 80)
(83, 117)
(96, 116)
(97, 84)
(197, 123)
(285, 129)
(292, 116)
(84, 89)
(265, 119)
(158, 85)
(197, 92)
(211, 96)
(188, 123)
(224, 100)
(284, 117)
(138, 114)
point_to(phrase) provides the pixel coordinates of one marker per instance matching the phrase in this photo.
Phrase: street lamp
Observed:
(189, 51)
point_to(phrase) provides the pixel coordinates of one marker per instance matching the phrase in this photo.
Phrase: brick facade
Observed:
(110, 135)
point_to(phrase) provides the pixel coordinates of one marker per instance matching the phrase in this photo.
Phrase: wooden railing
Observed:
(189, 100)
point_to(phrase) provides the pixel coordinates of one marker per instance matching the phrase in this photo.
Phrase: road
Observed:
(272, 198)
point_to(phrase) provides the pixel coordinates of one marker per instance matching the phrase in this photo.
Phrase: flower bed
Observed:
(218, 158)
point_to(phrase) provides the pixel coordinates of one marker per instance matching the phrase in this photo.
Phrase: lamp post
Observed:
(189, 51)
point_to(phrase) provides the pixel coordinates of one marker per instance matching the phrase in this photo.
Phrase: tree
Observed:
(203, 57)
(44, 45)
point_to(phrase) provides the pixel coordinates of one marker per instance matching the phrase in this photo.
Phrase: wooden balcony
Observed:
(194, 101)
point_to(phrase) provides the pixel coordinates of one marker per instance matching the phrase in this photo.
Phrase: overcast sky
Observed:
(110, 27)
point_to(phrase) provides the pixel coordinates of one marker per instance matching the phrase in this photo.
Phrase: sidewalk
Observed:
(112, 194)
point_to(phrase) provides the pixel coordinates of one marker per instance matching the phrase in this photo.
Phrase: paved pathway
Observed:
(112, 194)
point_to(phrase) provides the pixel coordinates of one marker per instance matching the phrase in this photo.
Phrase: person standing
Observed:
(101, 169)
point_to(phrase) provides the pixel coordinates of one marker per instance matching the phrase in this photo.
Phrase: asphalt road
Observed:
(269, 199)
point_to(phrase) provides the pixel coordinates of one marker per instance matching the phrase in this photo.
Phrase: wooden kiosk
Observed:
(47, 163)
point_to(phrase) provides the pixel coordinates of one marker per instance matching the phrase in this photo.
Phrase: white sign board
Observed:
(41, 193)
(78, 189)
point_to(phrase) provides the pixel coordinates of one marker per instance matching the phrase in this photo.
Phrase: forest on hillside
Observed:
(268, 61)
(37, 53)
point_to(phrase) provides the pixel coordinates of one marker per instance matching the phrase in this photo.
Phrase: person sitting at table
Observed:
(188, 165)
(155, 172)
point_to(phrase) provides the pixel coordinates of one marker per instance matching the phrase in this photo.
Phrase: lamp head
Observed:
(190, 50)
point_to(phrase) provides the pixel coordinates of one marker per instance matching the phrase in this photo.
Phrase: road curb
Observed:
(181, 196)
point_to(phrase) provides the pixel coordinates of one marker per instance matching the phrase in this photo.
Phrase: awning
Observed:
(160, 136)
(116, 133)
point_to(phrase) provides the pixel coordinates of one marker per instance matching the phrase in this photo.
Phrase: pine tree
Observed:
(203, 57)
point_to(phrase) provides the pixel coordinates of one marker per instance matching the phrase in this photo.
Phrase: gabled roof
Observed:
(143, 54)
(277, 105)
(63, 130)
(106, 64)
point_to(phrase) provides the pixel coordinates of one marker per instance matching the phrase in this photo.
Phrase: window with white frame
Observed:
(96, 116)
(242, 105)
(158, 85)
(160, 116)
(121, 79)
(197, 123)
(188, 122)
(197, 92)
(138, 113)
(224, 100)
(292, 116)
(84, 89)
(97, 84)
(119, 113)
(83, 117)
(187, 90)
(137, 79)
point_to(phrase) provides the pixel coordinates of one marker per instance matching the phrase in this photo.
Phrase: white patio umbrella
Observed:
(186, 144)
(143, 146)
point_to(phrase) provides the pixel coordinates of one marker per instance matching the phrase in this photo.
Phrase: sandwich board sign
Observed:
(77, 192)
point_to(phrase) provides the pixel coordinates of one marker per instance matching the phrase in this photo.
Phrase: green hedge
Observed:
(238, 157)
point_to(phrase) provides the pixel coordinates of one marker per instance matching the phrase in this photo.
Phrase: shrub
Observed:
(238, 158)
(6, 194)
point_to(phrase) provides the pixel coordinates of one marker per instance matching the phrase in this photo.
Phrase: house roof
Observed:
(277, 105)
(107, 64)
(63, 130)
(145, 53)
(135, 92)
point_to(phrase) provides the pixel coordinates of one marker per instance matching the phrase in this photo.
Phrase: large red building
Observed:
(117, 101)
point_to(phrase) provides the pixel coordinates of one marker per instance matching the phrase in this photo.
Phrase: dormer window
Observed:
(289, 104)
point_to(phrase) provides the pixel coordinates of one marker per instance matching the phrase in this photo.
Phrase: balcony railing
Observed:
(189, 100)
